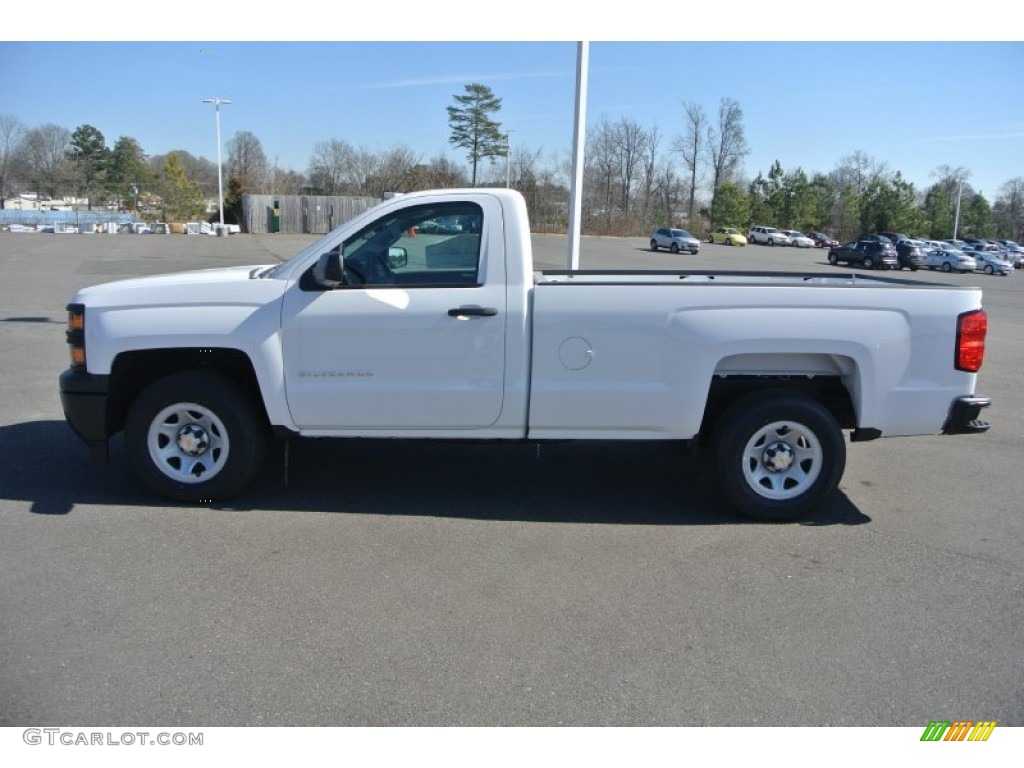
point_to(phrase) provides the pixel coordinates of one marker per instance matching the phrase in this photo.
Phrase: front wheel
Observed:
(194, 436)
(988, 269)
(674, 248)
(946, 267)
(869, 263)
(729, 241)
(778, 455)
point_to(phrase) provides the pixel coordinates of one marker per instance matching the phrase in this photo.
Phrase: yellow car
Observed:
(727, 235)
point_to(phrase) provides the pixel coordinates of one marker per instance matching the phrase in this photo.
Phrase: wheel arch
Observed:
(131, 372)
(832, 380)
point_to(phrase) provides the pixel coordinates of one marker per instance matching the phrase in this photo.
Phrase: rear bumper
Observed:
(83, 396)
(963, 416)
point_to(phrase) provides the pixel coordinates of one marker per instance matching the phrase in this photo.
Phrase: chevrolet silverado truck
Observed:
(393, 327)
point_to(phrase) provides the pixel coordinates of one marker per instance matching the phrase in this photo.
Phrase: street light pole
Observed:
(956, 221)
(508, 161)
(220, 177)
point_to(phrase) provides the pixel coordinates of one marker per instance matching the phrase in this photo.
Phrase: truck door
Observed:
(412, 337)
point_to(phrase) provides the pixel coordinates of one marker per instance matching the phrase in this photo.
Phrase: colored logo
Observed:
(958, 730)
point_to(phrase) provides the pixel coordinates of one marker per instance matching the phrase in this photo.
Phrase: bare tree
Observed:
(332, 166)
(726, 143)
(600, 160)
(394, 172)
(12, 132)
(1009, 208)
(247, 162)
(691, 147)
(46, 155)
(630, 144)
(649, 176)
(859, 170)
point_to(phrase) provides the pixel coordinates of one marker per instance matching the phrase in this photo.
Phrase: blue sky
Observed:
(912, 105)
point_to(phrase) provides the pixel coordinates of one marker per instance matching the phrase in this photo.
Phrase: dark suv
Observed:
(910, 254)
(870, 254)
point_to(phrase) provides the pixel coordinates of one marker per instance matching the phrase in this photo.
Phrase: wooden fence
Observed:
(300, 214)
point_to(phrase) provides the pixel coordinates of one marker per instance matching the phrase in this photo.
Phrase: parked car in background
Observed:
(870, 254)
(798, 239)
(767, 236)
(959, 244)
(950, 259)
(822, 240)
(727, 236)
(1014, 253)
(910, 254)
(675, 240)
(895, 237)
(990, 262)
(974, 242)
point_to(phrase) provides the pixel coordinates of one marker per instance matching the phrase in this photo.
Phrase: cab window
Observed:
(425, 245)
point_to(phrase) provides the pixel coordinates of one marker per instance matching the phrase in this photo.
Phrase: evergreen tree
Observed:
(183, 199)
(473, 128)
(90, 156)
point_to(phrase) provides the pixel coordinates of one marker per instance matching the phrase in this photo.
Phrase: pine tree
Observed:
(473, 128)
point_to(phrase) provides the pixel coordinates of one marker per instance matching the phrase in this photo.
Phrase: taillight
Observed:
(75, 335)
(971, 328)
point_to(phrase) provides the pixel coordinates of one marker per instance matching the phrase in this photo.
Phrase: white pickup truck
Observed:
(392, 326)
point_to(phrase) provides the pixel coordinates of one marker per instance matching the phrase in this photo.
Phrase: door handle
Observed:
(472, 312)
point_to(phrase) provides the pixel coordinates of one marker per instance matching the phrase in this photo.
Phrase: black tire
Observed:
(988, 269)
(869, 263)
(220, 452)
(833, 259)
(778, 455)
(946, 267)
(711, 239)
(729, 241)
(771, 242)
(654, 245)
(674, 248)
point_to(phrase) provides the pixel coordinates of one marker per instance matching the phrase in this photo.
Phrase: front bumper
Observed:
(963, 416)
(83, 396)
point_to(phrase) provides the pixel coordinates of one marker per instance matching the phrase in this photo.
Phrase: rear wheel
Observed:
(778, 455)
(194, 436)
(833, 259)
(654, 245)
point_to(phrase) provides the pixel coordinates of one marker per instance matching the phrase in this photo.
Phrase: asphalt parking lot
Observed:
(418, 584)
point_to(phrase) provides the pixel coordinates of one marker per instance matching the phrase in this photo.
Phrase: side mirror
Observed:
(397, 257)
(327, 273)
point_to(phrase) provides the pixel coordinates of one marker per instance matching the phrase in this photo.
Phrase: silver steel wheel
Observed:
(782, 460)
(188, 443)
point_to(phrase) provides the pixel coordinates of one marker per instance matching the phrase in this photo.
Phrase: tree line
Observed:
(635, 178)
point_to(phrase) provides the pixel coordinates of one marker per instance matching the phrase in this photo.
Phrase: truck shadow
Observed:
(609, 483)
